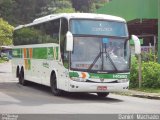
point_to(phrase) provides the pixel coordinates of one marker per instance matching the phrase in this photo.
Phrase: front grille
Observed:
(100, 81)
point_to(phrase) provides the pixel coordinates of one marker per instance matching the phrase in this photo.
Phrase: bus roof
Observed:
(72, 15)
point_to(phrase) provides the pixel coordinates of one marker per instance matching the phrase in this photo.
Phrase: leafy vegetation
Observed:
(60, 6)
(6, 31)
(148, 90)
(24, 11)
(150, 74)
(3, 59)
(134, 73)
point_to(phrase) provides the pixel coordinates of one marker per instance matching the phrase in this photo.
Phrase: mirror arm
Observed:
(137, 44)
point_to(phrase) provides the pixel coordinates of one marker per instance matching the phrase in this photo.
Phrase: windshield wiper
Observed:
(98, 56)
(107, 55)
(95, 60)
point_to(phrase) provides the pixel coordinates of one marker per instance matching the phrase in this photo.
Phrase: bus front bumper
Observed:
(75, 86)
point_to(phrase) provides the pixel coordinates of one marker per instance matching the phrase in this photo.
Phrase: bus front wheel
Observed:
(101, 94)
(53, 84)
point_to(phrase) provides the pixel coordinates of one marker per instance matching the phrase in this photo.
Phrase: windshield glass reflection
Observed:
(100, 54)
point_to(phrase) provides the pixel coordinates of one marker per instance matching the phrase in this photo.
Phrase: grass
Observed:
(148, 90)
(2, 60)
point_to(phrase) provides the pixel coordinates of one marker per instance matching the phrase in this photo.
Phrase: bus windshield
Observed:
(100, 46)
(99, 27)
(100, 54)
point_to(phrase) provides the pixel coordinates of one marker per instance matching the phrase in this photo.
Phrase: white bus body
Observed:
(40, 56)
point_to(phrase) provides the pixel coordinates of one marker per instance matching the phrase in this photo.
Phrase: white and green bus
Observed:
(75, 52)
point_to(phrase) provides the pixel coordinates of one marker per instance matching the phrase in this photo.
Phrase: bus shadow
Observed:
(91, 97)
(4, 72)
(35, 94)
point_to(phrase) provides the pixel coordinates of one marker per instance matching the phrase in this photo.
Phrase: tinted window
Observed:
(47, 32)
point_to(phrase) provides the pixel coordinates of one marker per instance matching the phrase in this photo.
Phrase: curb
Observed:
(147, 96)
(156, 96)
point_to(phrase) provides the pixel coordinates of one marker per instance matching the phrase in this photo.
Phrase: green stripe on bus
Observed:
(50, 53)
(73, 74)
(110, 76)
(27, 52)
(29, 64)
(45, 53)
(39, 53)
(103, 75)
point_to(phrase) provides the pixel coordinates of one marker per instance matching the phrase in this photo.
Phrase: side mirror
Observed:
(137, 44)
(69, 44)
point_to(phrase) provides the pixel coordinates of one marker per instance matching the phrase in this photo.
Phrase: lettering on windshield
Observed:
(98, 29)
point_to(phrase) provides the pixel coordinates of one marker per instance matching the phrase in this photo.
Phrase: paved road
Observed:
(6, 72)
(34, 98)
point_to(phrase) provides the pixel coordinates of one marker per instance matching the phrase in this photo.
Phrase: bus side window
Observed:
(49, 32)
(64, 53)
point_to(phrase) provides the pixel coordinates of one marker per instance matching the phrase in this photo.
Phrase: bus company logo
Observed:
(119, 76)
(102, 79)
(45, 64)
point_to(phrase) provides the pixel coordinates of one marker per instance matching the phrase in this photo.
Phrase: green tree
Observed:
(26, 11)
(87, 5)
(6, 31)
(6, 8)
(21, 11)
(58, 6)
(82, 5)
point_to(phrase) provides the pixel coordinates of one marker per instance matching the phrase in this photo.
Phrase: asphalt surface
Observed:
(38, 99)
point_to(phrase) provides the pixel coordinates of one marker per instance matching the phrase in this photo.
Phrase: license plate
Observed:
(101, 88)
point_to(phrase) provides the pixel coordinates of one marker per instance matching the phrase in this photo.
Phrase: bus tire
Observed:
(17, 72)
(103, 94)
(22, 81)
(53, 85)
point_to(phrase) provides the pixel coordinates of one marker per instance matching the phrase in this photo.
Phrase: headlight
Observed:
(122, 80)
(78, 79)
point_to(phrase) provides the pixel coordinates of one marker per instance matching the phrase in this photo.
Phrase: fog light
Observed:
(72, 86)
